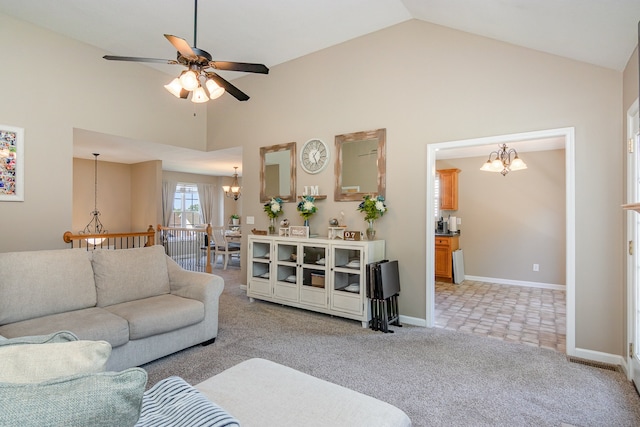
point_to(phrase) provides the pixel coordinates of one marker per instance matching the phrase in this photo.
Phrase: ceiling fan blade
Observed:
(239, 66)
(181, 46)
(135, 59)
(233, 91)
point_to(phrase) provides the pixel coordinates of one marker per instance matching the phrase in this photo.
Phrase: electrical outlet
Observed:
(251, 220)
(459, 220)
(536, 267)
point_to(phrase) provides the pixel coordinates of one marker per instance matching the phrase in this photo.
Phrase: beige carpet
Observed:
(438, 377)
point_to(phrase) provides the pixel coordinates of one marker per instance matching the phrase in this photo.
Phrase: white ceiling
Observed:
(177, 159)
(600, 32)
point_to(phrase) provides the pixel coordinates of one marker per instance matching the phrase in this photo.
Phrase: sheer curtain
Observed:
(207, 199)
(168, 193)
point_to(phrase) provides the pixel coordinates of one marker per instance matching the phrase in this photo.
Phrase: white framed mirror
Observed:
(278, 172)
(360, 166)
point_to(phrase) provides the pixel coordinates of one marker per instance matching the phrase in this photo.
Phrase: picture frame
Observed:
(11, 163)
(299, 231)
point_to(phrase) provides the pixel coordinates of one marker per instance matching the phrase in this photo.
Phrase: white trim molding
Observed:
(568, 134)
(517, 283)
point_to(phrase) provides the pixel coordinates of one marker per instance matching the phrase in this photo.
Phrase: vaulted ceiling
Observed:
(600, 32)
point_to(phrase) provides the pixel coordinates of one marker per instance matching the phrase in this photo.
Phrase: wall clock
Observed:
(314, 156)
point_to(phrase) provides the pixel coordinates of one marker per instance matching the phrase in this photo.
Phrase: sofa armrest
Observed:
(192, 284)
(203, 287)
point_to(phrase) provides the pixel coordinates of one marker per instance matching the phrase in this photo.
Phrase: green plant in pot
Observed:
(373, 208)
(273, 209)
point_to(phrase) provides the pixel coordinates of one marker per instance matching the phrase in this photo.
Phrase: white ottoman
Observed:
(262, 393)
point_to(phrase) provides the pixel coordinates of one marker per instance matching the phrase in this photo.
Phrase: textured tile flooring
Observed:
(531, 316)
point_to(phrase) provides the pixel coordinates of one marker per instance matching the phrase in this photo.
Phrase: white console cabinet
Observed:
(327, 276)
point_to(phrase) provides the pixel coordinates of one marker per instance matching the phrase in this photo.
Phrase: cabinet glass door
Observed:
(314, 278)
(347, 284)
(286, 271)
(260, 267)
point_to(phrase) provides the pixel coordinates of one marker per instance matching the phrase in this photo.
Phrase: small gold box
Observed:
(317, 280)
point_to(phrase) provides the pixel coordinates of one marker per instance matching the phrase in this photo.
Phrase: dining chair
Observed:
(222, 247)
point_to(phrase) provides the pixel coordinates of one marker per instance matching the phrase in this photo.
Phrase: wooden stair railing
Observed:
(188, 246)
(111, 240)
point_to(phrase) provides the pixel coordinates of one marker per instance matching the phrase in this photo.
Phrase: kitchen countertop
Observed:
(449, 234)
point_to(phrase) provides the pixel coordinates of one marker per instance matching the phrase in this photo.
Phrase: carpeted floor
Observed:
(438, 377)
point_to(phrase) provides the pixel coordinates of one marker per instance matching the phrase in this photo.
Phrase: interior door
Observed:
(633, 233)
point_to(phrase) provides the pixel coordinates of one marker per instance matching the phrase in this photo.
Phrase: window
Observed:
(186, 206)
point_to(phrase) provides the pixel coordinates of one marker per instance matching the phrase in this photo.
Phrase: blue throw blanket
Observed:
(172, 402)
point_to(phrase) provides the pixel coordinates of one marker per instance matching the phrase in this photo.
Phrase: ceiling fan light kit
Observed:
(175, 88)
(199, 65)
(189, 80)
(215, 91)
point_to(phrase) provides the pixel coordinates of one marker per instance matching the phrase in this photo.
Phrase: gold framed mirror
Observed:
(360, 166)
(278, 172)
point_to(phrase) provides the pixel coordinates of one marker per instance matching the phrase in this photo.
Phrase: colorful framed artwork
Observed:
(11, 164)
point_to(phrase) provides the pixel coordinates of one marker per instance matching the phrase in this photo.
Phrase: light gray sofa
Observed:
(139, 300)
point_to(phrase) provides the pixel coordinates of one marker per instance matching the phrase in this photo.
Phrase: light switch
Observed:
(251, 220)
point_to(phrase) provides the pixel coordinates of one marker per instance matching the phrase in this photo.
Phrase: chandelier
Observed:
(503, 161)
(233, 190)
(95, 226)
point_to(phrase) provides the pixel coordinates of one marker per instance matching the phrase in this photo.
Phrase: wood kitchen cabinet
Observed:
(448, 189)
(444, 247)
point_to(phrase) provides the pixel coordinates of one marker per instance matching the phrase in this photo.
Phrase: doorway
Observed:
(567, 136)
(633, 237)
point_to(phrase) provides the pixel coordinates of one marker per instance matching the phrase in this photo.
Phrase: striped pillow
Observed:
(174, 402)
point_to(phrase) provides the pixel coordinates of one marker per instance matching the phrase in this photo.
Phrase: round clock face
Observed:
(314, 156)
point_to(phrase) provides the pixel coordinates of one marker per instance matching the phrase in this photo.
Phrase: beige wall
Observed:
(422, 82)
(128, 195)
(631, 82)
(146, 195)
(510, 223)
(114, 195)
(70, 86)
(426, 84)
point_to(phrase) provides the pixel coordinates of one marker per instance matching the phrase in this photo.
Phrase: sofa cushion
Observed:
(159, 314)
(103, 399)
(32, 283)
(131, 274)
(60, 336)
(174, 402)
(88, 324)
(42, 358)
(259, 392)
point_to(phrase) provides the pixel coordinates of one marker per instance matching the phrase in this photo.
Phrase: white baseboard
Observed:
(598, 356)
(407, 320)
(516, 282)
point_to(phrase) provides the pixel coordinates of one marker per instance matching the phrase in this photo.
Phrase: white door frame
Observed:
(569, 144)
(633, 367)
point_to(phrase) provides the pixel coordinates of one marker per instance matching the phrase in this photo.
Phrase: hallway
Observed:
(532, 316)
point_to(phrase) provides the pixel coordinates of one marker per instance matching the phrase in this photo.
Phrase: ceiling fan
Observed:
(200, 67)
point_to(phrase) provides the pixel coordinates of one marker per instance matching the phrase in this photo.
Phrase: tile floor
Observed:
(531, 316)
